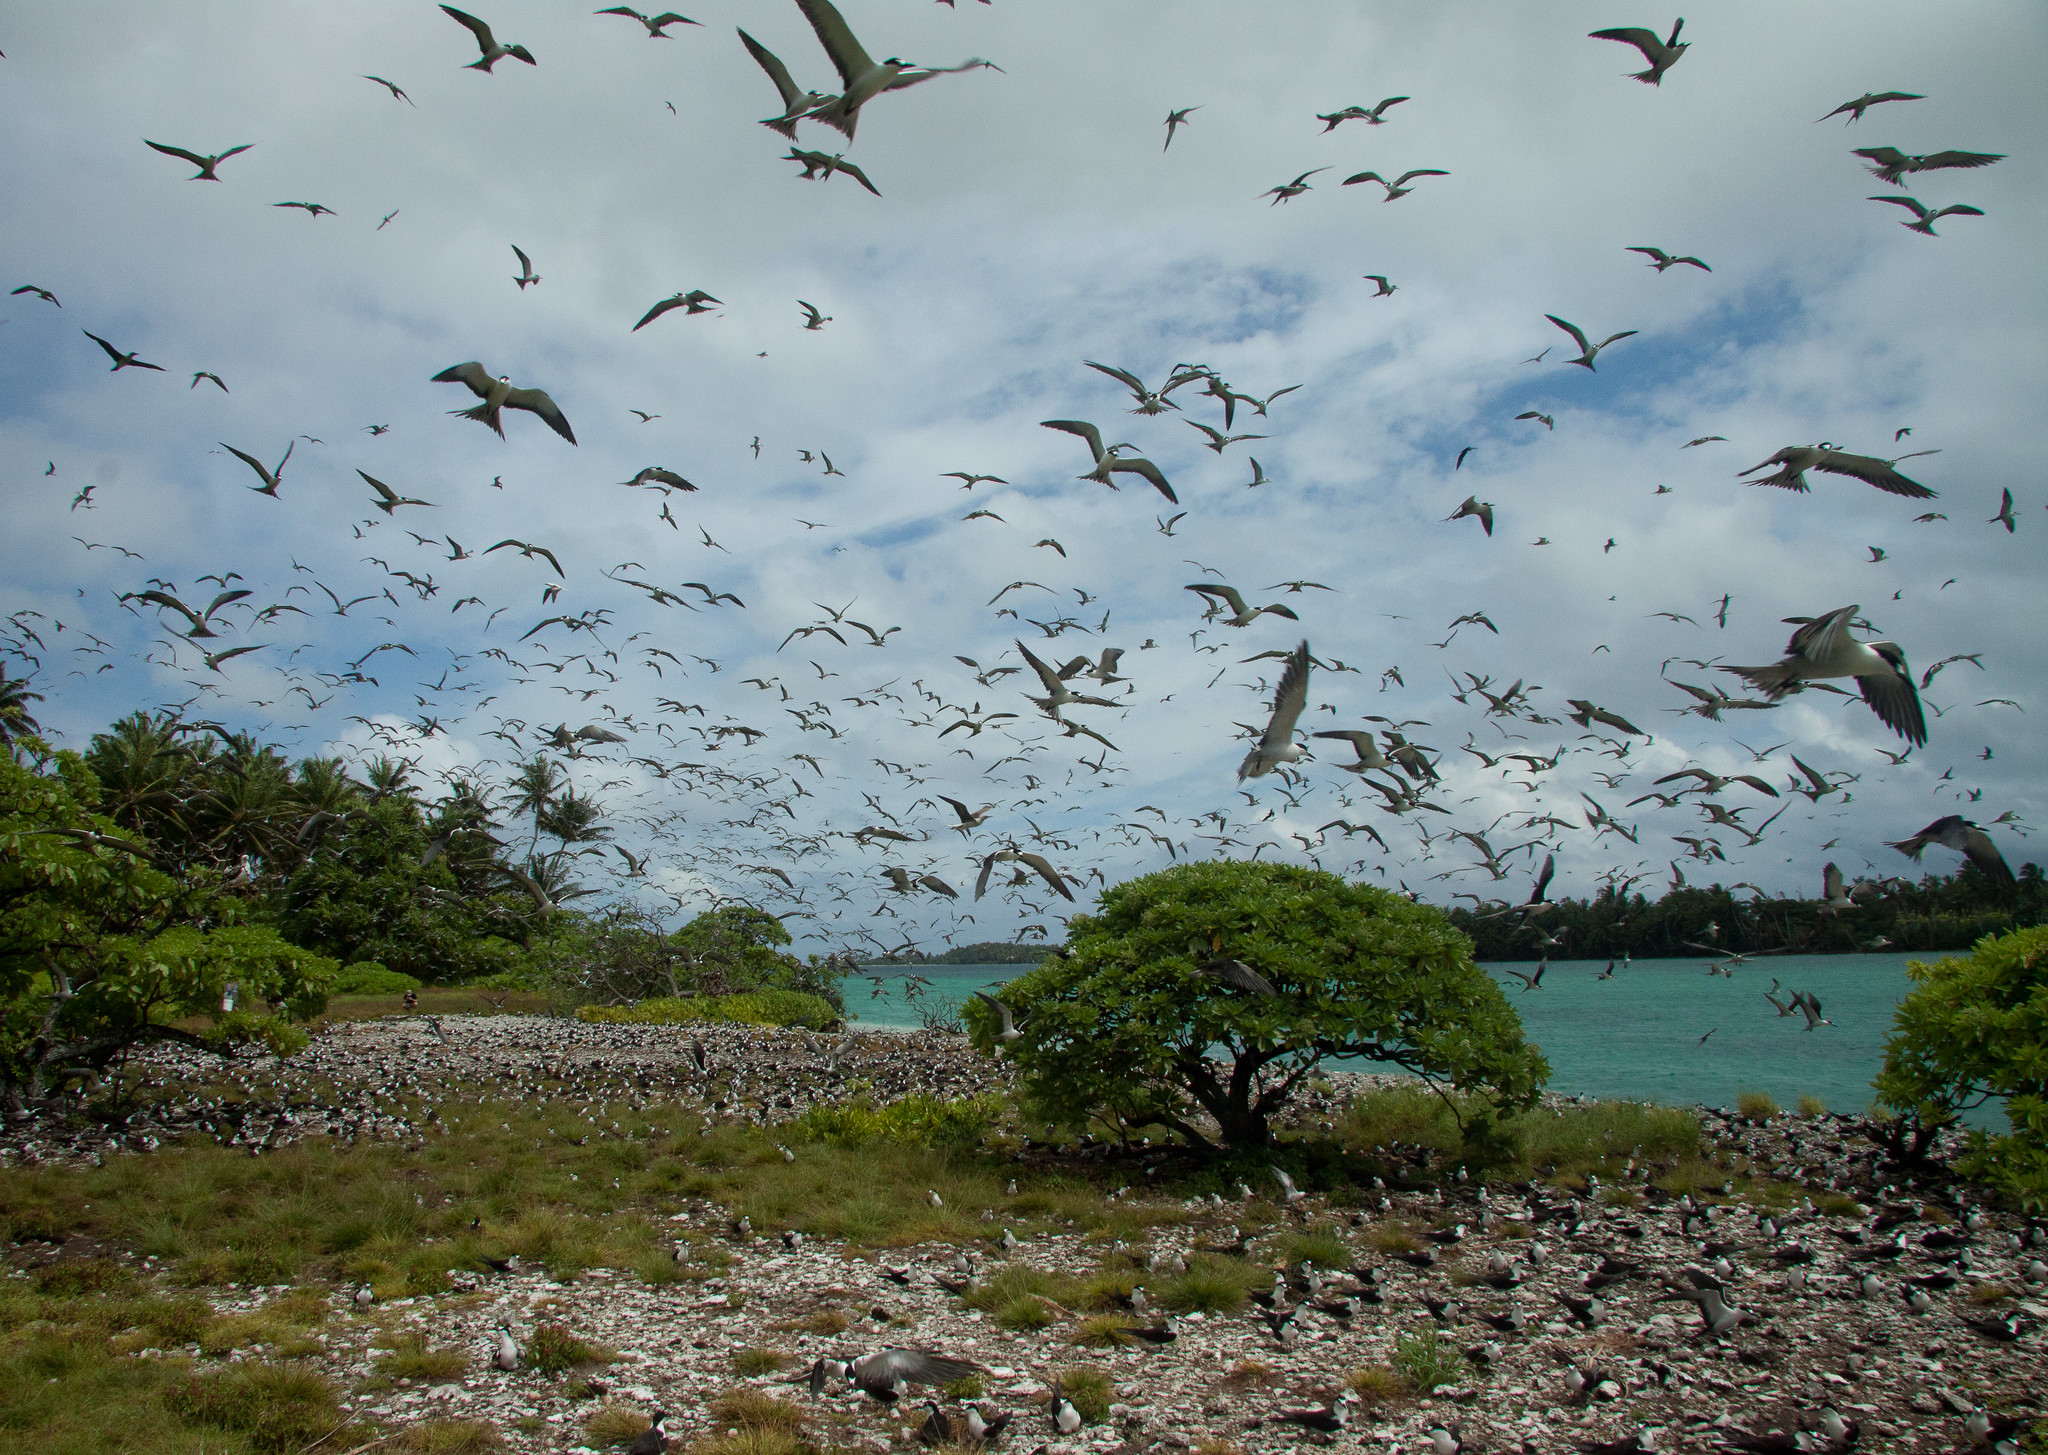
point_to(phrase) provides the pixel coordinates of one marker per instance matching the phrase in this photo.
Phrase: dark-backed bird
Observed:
(1661, 54)
(1240, 614)
(1370, 115)
(1923, 219)
(1108, 461)
(694, 301)
(388, 500)
(1287, 192)
(1890, 165)
(1397, 187)
(1867, 100)
(1479, 510)
(862, 78)
(121, 360)
(657, 25)
(819, 167)
(204, 164)
(271, 478)
(1660, 260)
(1958, 833)
(1276, 744)
(396, 94)
(654, 1439)
(1823, 647)
(1795, 460)
(526, 274)
(43, 293)
(498, 394)
(1175, 120)
(796, 103)
(1587, 351)
(486, 42)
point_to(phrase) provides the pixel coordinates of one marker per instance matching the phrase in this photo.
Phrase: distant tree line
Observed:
(1940, 912)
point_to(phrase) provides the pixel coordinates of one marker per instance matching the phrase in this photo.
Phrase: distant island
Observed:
(988, 952)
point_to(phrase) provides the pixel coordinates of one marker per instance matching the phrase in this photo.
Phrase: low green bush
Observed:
(751, 1008)
(367, 977)
(917, 1121)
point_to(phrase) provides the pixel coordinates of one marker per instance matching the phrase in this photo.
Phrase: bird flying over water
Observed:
(1823, 647)
(1958, 833)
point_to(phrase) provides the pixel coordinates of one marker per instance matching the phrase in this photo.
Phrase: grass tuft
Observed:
(1089, 1389)
(1757, 1106)
(1102, 1331)
(1378, 1384)
(279, 1408)
(1426, 1360)
(1212, 1285)
(614, 1426)
(750, 1409)
(554, 1350)
(752, 1362)
(1812, 1106)
(449, 1437)
(411, 1358)
(75, 1276)
(1324, 1247)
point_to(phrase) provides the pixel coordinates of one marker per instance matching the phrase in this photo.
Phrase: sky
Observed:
(1031, 219)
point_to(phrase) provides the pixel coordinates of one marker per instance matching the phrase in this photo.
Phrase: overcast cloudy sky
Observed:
(1030, 220)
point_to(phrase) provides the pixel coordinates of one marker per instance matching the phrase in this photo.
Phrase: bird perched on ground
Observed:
(1822, 647)
(505, 1352)
(1660, 260)
(654, 1439)
(204, 164)
(498, 394)
(1276, 744)
(1867, 100)
(1329, 1420)
(694, 301)
(1587, 351)
(1795, 460)
(1966, 838)
(1890, 165)
(884, 1374)
(1480, 510)
(1661, 54)
(1924, 220)
(487, 43)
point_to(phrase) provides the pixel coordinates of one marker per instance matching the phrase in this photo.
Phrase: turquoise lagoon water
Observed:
(1636, 1036)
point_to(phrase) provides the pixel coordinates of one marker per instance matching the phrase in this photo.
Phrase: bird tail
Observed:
(483, 414)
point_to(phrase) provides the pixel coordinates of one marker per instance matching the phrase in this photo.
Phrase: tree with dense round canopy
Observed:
(1130, 1025)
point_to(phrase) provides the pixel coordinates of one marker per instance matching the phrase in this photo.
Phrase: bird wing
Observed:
(857, 174)
(162, 598)
(1004, 1023)
(1648, 252)
(1647, 41)
(1572, 328)
(472, 373)
(1625, 333)
(1149, 471)
(1831, 881)
(197, 161)
(1420, 172)
(113, 353)
(1123, 376)
(1366, 177)
(1897, 705)
(535, 401)
(523, 263)
(655, 312)
(1081, 427)
(1228, 593)
(777, 72)
(476, 27)
(1288, 700)
(251, 461)
(1912, 203)
(1046, 675)
(1872, 471)
(837, 37)
(1237, 973)
(1957, 159)
(1821, 636)
(1045, 871)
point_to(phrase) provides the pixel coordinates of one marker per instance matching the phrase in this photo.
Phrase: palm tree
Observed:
(533, 787)
(147, 773)
(14, 716)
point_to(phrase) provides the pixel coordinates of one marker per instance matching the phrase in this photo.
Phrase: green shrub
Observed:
(1359, 971)
(1426, 1360)
(367, 977)
(752, 1008)
(916, 1120)
(1976, 1029)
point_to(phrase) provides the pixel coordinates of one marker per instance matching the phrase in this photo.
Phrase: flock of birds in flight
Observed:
(1409, 778)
